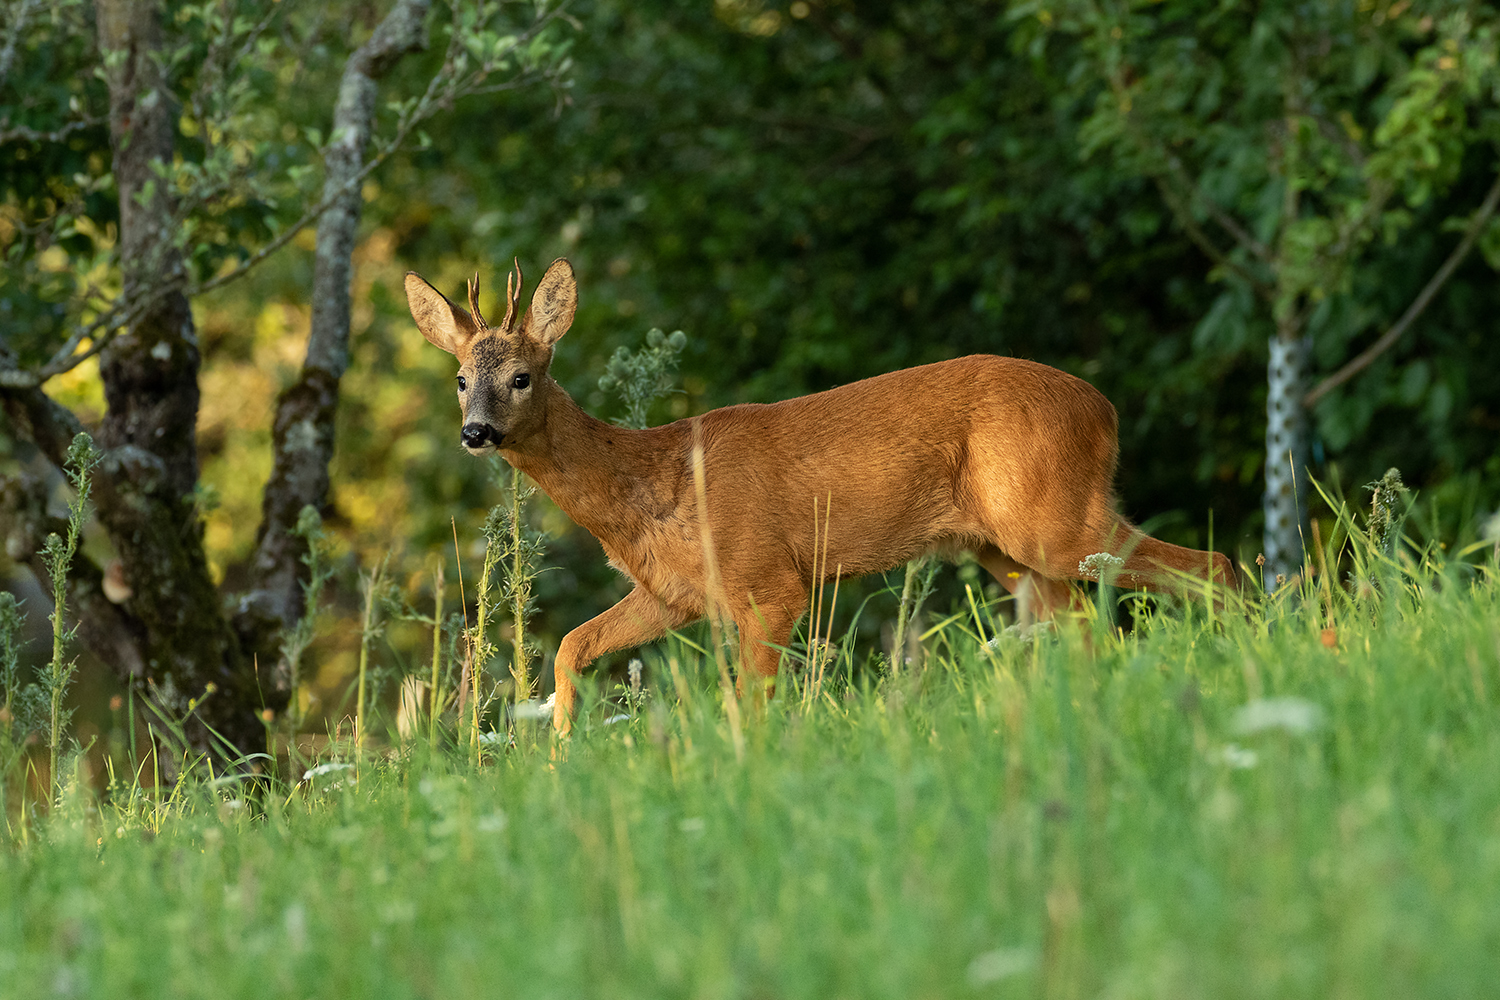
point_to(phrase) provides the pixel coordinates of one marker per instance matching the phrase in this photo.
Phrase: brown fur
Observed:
(1011, 459)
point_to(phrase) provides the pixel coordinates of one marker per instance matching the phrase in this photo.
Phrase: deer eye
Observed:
(462, 384)
(521, 381)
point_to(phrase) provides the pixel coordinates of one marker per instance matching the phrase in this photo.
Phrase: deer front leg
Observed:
(639, 618)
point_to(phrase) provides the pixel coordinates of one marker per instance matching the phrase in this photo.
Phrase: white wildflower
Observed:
(332, 767)
(398, 911)
(1294, 715)
(1099, 566)
(295, 921)
(1002, 963)
(533, 709)
(1238, 757)
(1023, 633)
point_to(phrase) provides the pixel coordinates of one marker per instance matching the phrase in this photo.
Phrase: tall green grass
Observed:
(1298, 801)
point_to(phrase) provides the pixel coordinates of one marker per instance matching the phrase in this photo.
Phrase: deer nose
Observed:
(475, 435)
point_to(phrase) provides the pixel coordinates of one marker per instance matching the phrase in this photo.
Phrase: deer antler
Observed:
(512, 294)
(474, 301)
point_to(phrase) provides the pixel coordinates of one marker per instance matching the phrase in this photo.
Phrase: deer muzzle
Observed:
(475, 436)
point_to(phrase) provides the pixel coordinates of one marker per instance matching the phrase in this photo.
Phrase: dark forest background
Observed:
(814, 192)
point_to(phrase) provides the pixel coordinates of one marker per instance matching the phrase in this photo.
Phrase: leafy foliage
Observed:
(822, 192)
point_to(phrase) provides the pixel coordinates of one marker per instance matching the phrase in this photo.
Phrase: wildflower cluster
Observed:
(1099, 566)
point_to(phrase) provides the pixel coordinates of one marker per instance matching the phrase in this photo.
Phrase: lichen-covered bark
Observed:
(36, 418)
(303, 433)
(170, 632)
(145, 484)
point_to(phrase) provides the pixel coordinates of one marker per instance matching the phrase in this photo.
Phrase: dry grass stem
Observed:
(712, 596)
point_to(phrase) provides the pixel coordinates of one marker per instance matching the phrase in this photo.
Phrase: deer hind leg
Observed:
(639, 618)
(1148, 563)
(765, 624)
(1038, 597)
(1167, 566)
(1152, 564)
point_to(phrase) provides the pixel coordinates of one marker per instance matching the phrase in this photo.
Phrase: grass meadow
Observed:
(1298, 801)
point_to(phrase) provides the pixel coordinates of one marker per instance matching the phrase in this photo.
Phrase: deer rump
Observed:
(1011, 459)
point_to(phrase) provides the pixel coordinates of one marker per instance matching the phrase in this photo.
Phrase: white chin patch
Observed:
(488, 449)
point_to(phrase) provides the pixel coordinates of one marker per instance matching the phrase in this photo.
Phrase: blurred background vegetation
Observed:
(817, 192)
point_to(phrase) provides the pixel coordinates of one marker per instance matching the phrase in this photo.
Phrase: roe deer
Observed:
(1009, 458)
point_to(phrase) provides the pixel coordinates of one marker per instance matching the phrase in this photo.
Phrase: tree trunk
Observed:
(1286, 459)
(303, 432)
(170, 633)
(150, 373)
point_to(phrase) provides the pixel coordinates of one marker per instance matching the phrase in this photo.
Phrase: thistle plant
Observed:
(1386, 493)
(57, 556)
(479, 641)
(642, 378)
(522, 559)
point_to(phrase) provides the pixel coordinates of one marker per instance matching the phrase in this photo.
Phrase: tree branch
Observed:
(1200, 238)
(1227, 222)
(9, 132)
(37, 418)
(303, 431)
(1418, 305)
(120, 314)
(17, 29)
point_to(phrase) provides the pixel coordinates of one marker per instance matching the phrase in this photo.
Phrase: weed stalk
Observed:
(494, 545)
(521, 556)
(295, 640)
(373, 585)
(712, 593)
(435, 693)
(57, 556)
(519, 586)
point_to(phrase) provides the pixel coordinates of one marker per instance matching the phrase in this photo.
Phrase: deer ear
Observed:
(553, 305)
(444, 324)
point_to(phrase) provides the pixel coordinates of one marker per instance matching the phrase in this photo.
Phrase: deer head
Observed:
(503, 383)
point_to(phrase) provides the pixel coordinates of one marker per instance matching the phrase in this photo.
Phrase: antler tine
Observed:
(512, 293)
(474, 300)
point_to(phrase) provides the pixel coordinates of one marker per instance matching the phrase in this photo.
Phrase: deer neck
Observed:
(596, 472)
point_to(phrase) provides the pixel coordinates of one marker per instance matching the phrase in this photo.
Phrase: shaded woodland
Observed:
(207, 211)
